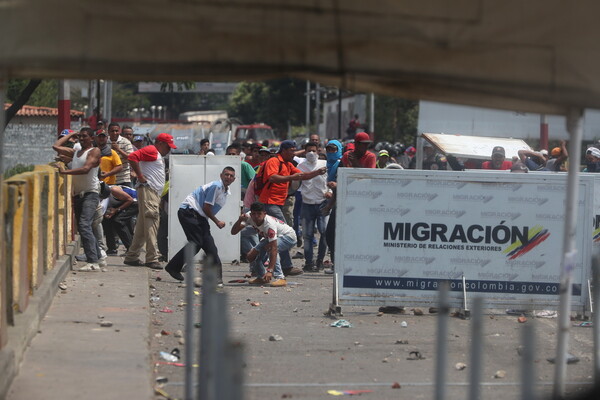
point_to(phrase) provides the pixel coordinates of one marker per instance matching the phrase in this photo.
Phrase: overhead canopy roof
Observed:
(534, 55)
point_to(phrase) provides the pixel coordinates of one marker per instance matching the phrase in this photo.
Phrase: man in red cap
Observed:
(360, 157)
(149, 166)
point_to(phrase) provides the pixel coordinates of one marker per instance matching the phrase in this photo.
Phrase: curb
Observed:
(27, 323)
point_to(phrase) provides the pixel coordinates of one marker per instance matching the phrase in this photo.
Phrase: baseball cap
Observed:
(287, 144)
(101, 132)
(362, 137)
(411, 150)
(138, 138)
(383, 153)
(556, 152)
(499, 150)
(166, 138)
(264, 148)
(65, 132)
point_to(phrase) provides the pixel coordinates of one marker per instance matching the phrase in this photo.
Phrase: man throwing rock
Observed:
(195, 211)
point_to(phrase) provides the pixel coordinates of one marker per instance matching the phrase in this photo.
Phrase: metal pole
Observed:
(442, 345)
(543, 132)
(108, 94)
(318, 111)
(64, 105)
(340, 113)
(372, 119)
(596, 317)
(210, 334)
(189, 321)
(527, 365)
(476, 348)
(307, 108)
(574, 127)
(97, 111)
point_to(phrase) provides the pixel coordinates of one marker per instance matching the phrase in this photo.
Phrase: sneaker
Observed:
(292, 271)
(175, 274)
(111, 252)
(278, 283)
(102, 253)
(134, 263)
(319, 264)
(102, 262)
(153, 265)
(298, 255)
(90, 267)
(310, 268)
(256, 281)
(329, 271)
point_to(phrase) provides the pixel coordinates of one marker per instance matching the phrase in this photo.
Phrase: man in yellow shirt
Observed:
(110, 162)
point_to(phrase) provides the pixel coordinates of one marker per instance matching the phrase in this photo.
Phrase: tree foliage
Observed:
(276, 102)
(396, 119)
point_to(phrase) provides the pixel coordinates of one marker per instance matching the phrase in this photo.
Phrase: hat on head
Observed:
(166, 138)
(138, 138)
(383, 153)
(287, 144)
(544, 152)
(499, 150)
(593, 152)
(362, 137)
(411, 151)
(556, 152)
(65, 132)
(101, 132)
(264, 149)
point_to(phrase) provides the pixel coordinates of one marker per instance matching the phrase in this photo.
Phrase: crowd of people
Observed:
(289, 194)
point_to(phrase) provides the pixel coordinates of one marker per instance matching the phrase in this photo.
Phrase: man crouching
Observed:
(275, 235)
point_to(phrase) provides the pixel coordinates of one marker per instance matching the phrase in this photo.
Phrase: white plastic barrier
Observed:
(400, 233)
(187, 172)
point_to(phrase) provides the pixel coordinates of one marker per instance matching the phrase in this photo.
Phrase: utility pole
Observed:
(307, 108)
(318, 110)
(64, 105)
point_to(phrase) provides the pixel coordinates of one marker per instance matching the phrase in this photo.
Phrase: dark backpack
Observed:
(259, 179)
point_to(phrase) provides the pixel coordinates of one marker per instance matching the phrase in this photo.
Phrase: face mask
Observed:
(312, 157)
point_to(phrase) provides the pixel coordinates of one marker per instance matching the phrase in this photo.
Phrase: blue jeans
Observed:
(257, 267)
(248, 239)
(277, 211)
(85, 210)
(311, 215)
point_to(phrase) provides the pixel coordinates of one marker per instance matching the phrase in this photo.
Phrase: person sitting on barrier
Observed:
(534, 160)
(558, 156)
(499, 161)
(276, 237)
(121, 209)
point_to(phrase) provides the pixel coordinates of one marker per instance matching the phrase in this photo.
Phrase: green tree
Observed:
(396, 119)
(276, 102)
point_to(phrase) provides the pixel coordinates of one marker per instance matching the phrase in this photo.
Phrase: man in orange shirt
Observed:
(279, 172)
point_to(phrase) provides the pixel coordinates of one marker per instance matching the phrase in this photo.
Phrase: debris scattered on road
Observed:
(415, 355)
(158, 278)
(162, 379)
(166, 310)
(401, 341)
(100, 316)
(341, 323)
(347, 392)
(417, 311)
(391, 310)
(181, 341)
(404, 324)
(165, 333)
(586, 324)
(433, 310)
(500, 374)
(197, 281)
(306, 300)
(62, 286)
(266, 292)
(546, 314)
(522, 319)
(106, 324)
(178, 333)
(131, 295)
(255, 304)
(396, 385)
(571, 359)
(275, 338)
(168, 356)
(460, 366)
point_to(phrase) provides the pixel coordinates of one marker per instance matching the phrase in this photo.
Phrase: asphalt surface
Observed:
(74, 357)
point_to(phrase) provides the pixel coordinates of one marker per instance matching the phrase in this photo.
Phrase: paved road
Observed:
(74, 357)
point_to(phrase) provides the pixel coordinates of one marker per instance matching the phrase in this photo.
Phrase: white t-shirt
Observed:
(271, 228)
(313, 190)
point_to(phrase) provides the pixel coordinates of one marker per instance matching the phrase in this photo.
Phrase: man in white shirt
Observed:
(276, 237)
(314, 193)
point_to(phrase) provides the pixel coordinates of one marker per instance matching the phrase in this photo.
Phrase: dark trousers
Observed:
(330, 234)
(121, 224)
(197, 232)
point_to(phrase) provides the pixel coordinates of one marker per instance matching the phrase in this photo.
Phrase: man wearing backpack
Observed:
(276, 175)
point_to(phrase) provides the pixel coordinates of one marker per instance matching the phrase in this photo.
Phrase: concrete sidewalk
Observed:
(74, 357)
